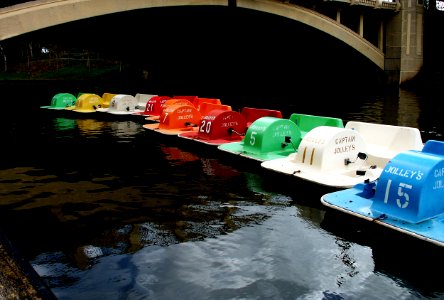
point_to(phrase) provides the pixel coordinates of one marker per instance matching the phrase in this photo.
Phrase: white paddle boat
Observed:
(343, 157)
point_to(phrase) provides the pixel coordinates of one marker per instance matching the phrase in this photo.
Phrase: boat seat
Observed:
(385, 141)
(308, 122)
(252, 114)
(199, 101)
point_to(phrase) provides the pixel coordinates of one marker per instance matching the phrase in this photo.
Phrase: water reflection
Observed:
(406, 259)
(90, 127)
(177, 156)
(262, 261)
(125, 129)
(402, 110)
(409, 109)
(132, 215)
(64, 124)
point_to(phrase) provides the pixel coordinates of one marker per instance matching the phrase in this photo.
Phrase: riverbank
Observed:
(18, 280)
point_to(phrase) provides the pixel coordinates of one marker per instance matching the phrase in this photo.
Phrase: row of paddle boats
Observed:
(381, 173)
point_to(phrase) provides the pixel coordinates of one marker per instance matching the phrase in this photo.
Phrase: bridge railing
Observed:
(383, 4)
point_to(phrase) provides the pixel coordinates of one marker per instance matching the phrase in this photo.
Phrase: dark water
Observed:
(104, 209)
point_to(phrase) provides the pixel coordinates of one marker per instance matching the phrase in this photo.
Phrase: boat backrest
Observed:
(198, 102)
(385, 141)
(251, 114)
(434, 147)
(206, 107)
(308, 122)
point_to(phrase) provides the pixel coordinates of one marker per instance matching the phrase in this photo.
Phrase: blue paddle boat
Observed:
(407, 197)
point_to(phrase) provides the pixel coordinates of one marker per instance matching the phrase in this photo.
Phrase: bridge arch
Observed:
(35, 15)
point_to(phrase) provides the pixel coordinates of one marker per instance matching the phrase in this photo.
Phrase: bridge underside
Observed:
(35, 15)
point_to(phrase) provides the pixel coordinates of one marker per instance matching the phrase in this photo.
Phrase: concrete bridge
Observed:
(389, 34)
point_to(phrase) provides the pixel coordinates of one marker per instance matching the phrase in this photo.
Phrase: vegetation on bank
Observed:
(50, 70)
(30, 60)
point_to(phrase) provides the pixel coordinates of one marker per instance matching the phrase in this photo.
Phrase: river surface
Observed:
(104, 209)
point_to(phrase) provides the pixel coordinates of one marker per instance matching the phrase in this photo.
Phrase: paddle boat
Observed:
(142, 100)
(168, 102)
(266, 138)
(121, 104)
(219, 126)
(153, 108)
(343, 157)
(61, 100)
(86, 103)
(278, 142)
(407, 197)
(385, 141)
(176, 118)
